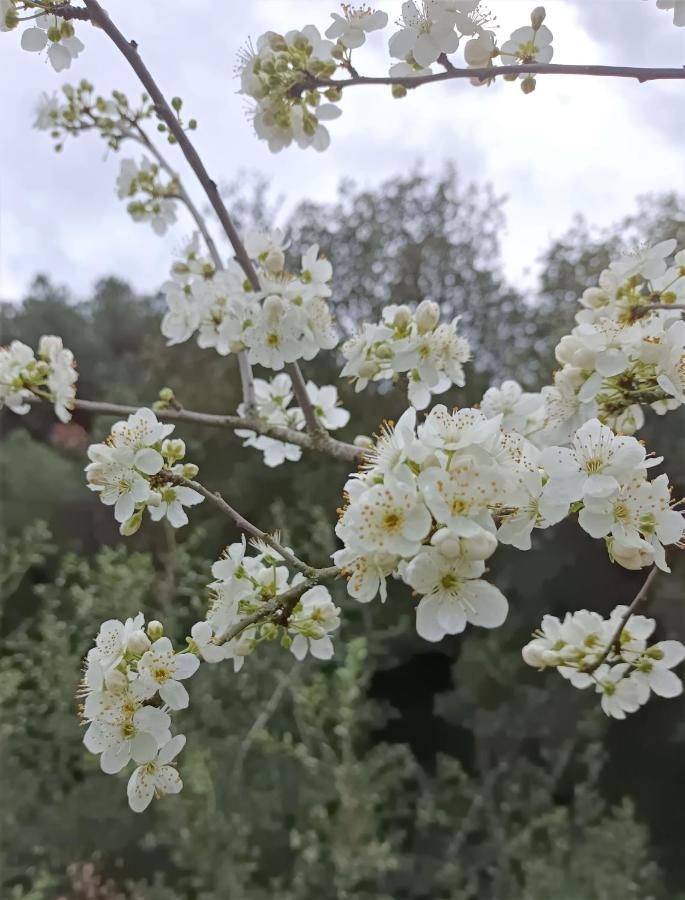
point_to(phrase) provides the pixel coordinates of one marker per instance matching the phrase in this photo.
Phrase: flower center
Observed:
(594, 465)
(392, 521)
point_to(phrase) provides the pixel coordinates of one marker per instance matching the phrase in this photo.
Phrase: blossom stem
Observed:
(314, 427)
(242, 523)
(640, 74)
(615, 642)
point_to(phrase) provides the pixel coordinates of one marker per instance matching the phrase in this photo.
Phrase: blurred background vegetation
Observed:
(401, 770)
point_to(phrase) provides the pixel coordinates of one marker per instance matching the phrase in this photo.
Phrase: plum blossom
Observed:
(156, 776)
(57, 35)
(351, 28)
(161, 671)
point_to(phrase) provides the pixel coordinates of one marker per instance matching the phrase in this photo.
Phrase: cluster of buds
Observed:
(276, 76)
(411, 342)
(81, 109)
(612, 655)
(139, 467)
(50, 375)
(153, 197)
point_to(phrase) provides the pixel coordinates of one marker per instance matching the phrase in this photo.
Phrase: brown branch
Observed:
(280, 607)
(330, 446)
(314, 426)
(488, 72)
(100, 19)
(242, 523)
(615, 642)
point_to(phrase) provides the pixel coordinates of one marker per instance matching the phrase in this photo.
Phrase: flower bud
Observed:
(190, 470)
(166, 395)
(528, 84)
(402, 317)
(363, 441)
(155, 630)
(427, 315)
(480, 546)
(368, 369)
(537, 17)
(533, 655)
(399, 91)
(130, 526)
(173, 449)
(273, 307)
(631, 556)
(154, 498)
(138, 642)
(274, 261)
(447, 542)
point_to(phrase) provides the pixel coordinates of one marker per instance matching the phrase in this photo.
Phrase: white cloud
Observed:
(577, 144)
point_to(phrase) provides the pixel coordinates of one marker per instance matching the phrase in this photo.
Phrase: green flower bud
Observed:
(399, 91)
(190, 470)
(130, 526)
(155, 630)
(537, 17)
(528, 85)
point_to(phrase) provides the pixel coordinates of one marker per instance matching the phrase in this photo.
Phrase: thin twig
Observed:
(280, 608)
(615, 642)
(242, 523)
(488, 72)
(100, 18)
(330, 446)
(314, 426)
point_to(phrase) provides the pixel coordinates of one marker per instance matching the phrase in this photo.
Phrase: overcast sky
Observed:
(575, 145)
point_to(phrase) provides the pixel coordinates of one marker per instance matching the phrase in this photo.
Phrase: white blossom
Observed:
(157, 776)
(351, 29)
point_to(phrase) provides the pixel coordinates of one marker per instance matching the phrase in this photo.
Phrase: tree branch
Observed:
(242, 523)
(100, 18)
(488, 72)
(615, 642)
(314, 426)
(330, 446)
(279, 608)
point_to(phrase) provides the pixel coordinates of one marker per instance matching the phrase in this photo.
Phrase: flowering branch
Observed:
(337, 449)
(242, 523)
(100, 18)
(280, 608)
(615, 642)
(485, 73)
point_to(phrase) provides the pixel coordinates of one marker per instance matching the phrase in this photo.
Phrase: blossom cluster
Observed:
(151, 198)
(287, 319)
(426, 506)
(247, 585)
(139, 467)
(51, 375)
(132, 682)
(412, 342)
(433, 501)
(605, 476)
(628, 349)
(612, 655)
(270, 73)
(290, 79)
(272, 407)
(45, 31)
